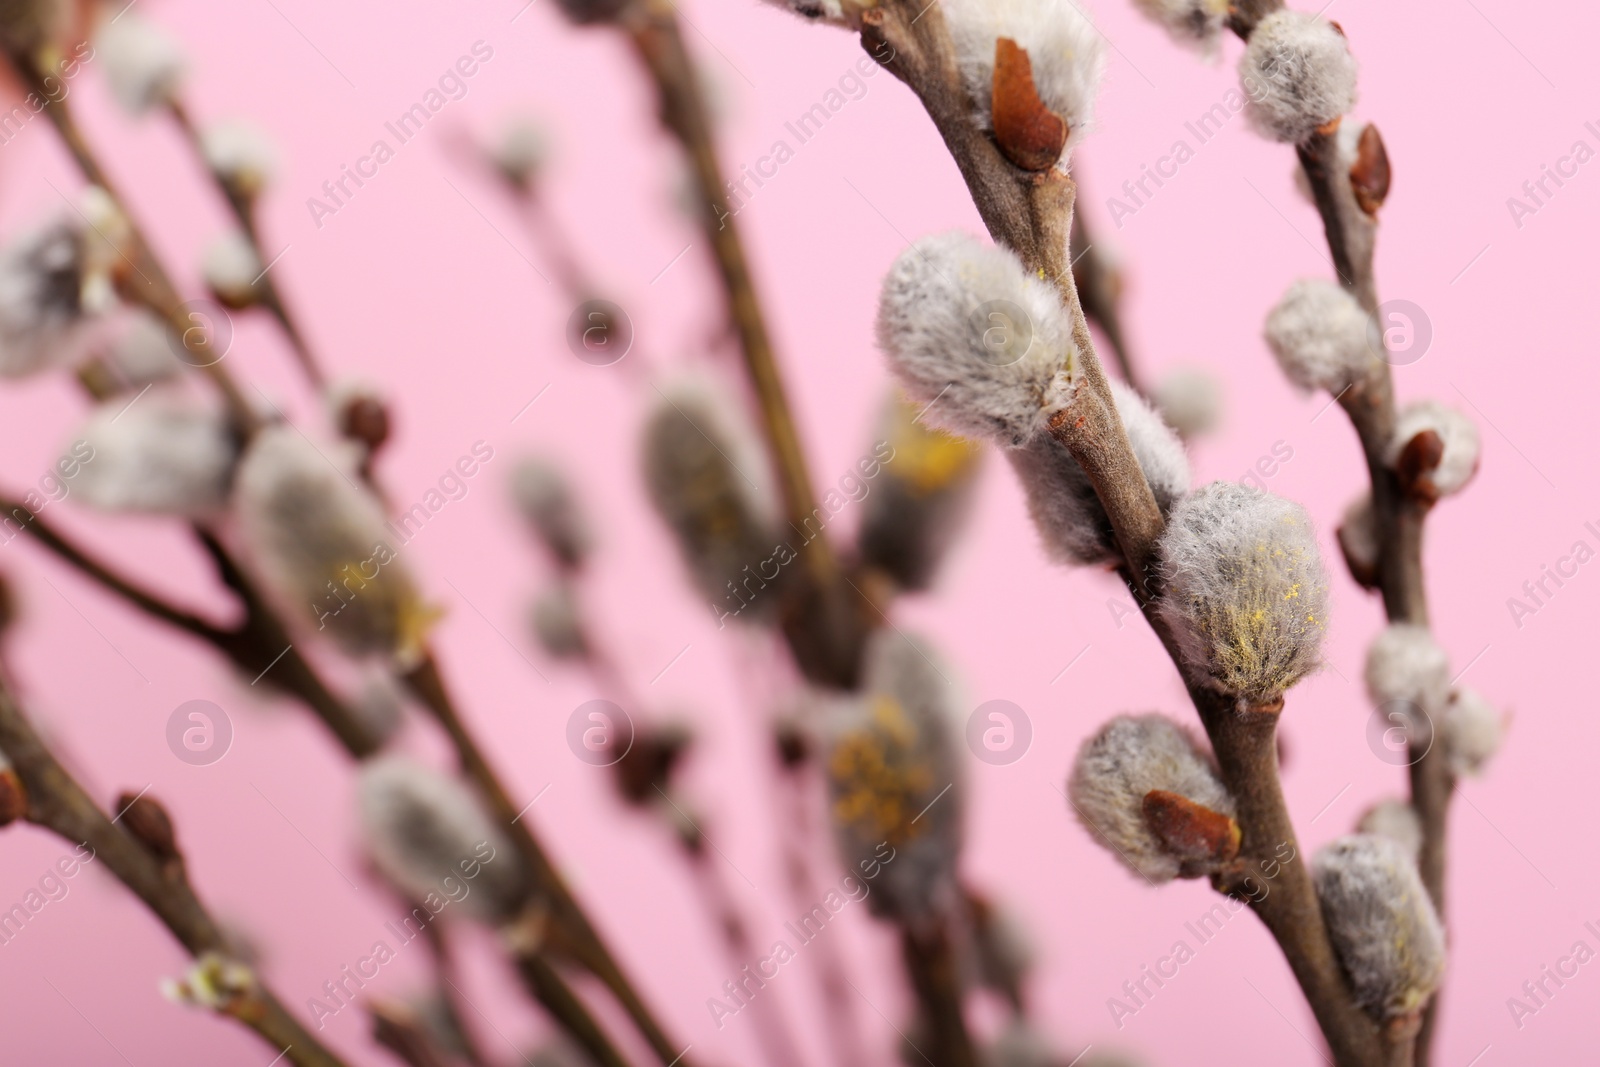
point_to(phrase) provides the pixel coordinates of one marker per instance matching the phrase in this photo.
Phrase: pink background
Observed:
(431, 290)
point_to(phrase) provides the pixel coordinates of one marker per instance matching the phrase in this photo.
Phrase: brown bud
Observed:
(147, 820)
(793, 743)
(13, 797)
(1027, 132)
(1199, 836)
(364, 418)
(648, 764)
(1418, 460)
(1369, 174)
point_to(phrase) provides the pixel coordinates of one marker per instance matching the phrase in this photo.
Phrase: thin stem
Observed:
(1099, 288)
(149, 283)
(59, 804)
(570, 930)
(552, 991)
(931, 964)
(822, 618)
(1031, 214)
(243, 208)
(1399, 519)
(397, 1029)
(101, 573)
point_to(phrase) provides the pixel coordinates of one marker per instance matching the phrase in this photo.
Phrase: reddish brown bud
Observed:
(1369, 174)
(1418, 460)
(648, 764)
(794, 745)
(147, 820)
(365, 418)
(1196, 834)
(13, 797)
(1027, 132)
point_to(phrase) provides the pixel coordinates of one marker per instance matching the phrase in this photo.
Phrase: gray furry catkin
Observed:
(1244, 591)
(1382, 924)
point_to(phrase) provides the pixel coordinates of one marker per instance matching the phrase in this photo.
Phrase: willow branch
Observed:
(149, 283)
(1031, 213)
(1399, 518)
(149, 603)
(58, 803)
(569, 931)
(823, 618)
(244, 213)
(547, 986)
(396, 1028)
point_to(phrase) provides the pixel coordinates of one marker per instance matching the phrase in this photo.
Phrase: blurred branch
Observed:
(824, 621)
(1100, 287)
(552, 991)
(58, 803)
(149, 283)
(569, 931)
(259, 646)
(397, 1029)
(244, 213)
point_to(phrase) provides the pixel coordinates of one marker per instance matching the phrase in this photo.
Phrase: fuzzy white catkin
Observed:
(164, 454)
(1321, 337)
(240, 153)
(557, 623)
(947, 319)
(42, 312)
(1072, 523)
(231, 269)
(1298, 74)
(320, 542)
(1458, 433)
(1473, 729)
(1065, 50)
(1189, 400)
(546, 500)
(1407, 673)
(704, 471)
(144, 352)
(143, 64)
(521, 150)
(1244, 590)
(1395, 820)
(1114, 770)
(895, 781)
(426, 832)
(1382, 924)
(1192, 22)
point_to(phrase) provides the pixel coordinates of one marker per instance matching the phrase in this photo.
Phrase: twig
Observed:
(569, 930)
(1399, 519)
(58, 803)
(149, 283)
(1031, 213)
(243, 208)
(823, 618)
(396, 1029)
(552, 991)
